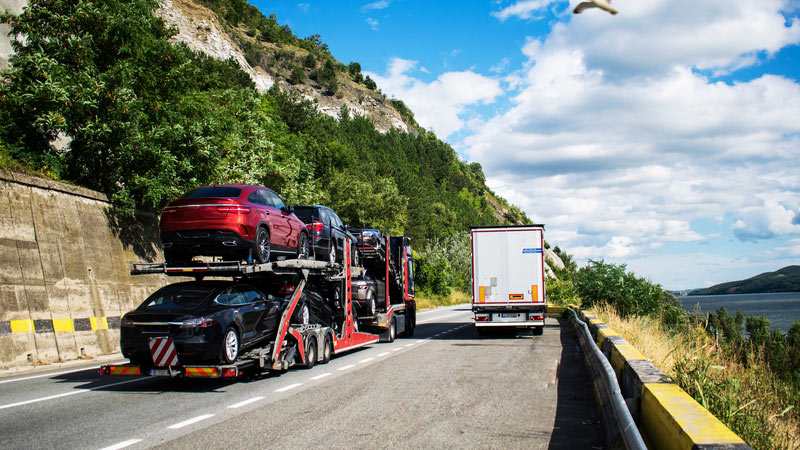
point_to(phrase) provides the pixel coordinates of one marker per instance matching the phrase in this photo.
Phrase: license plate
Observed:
(159, 372)
(509, 316)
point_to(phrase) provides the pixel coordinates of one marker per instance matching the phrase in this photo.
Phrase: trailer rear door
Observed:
(508, 266)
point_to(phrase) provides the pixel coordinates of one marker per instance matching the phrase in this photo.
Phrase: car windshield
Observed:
(177, 298)
(214, 191)
(306, 213)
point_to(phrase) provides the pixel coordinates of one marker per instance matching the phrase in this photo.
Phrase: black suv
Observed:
(327, 232)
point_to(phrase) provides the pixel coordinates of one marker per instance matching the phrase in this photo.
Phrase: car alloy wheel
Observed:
(303, 247)
(230, 345)
(262, 245)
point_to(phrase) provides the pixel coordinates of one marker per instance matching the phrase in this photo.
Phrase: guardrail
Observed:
(608, 388)
(667, 417)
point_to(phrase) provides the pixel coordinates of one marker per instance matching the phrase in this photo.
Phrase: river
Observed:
(782, 308)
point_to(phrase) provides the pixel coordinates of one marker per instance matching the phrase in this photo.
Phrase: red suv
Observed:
(231, 221)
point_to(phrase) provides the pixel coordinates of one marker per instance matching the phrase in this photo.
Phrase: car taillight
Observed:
(197, 322)
(316, 227)
(286, 289)
(238, 209)
(536, 317)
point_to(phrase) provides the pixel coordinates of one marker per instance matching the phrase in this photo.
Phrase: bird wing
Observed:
(582, 6)
(604, 4)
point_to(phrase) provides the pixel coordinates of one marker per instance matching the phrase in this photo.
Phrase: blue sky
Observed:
(666, 137)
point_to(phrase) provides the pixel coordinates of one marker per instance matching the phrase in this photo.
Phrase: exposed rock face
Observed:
(14, 6)
(201, 30)
(551, 260)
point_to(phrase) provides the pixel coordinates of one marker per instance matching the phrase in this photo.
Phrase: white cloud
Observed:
(382, 4)
(619, 142)
(526, 9)
(373, 23)
(437, 105)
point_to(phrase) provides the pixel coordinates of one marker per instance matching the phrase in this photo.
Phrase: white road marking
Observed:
(67, 394)
(380, 355)
(186, 423)
(349, 366)
(396, 349)
(408, 345)
(365, 360)
(53, 374)
(286, 388)
(246, 402)
(440, 317)
(321, 376)
(122, 444)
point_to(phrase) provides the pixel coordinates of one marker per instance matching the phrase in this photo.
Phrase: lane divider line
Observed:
(289, 387)
(55, 374)
(440, 317)
(188, 422)
(365, 360)
(321, 376)
(67, 394)
(246, 402)
(349, 366)
(381, 355)
(122, 444)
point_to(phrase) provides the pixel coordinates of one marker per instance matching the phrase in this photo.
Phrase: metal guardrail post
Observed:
(627, 426)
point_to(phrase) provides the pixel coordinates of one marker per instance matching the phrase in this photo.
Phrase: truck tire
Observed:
(390, 334)
(411, 323)
(482, 331)
(538, 331)
(230, 345)
(311, 353)
(327, 350)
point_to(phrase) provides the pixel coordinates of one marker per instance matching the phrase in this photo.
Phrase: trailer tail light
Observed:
(481, 317)
(236, 209)
(536, 317)
(230, 372)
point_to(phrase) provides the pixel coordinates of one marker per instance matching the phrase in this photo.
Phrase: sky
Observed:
(666, 137)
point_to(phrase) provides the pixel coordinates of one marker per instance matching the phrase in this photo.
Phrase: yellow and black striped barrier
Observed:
(65, 325)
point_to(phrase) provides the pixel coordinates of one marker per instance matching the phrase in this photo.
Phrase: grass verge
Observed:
(761, 408)
(433, 301)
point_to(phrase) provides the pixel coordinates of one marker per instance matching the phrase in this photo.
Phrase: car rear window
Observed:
(214, 191)
(306, 213)
(177, 298)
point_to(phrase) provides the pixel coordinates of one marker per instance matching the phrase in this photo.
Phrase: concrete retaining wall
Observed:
(64, 270)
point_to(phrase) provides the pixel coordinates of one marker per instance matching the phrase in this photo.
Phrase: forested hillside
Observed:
(783, 280)
(99, 96)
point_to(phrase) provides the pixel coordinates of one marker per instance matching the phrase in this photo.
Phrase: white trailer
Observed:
(508, 277)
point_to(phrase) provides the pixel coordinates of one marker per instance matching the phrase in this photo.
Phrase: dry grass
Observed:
(455, 298)
(760, 408)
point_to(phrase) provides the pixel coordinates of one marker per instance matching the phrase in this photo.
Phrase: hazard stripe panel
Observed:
(125, 370)
(202, 372)
(163, 352)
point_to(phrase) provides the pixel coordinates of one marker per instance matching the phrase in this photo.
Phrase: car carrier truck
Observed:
(392, 264)
(292, 345)
(508, 277)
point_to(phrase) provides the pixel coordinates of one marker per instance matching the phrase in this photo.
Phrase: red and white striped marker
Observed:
(163, 352)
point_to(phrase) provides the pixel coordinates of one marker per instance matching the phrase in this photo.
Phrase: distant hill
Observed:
(783, 280)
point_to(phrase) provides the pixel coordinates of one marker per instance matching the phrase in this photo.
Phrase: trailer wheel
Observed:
(311, 353)
(538, 331)
(327, 350)
(261, 245)
(230, 345)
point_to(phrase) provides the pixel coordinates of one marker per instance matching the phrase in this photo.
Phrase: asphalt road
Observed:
(443, 388)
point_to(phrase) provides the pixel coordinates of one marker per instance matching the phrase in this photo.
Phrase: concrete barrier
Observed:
(667, 416)
(64, 270)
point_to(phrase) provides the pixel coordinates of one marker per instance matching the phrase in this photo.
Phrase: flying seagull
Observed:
(602, 4)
